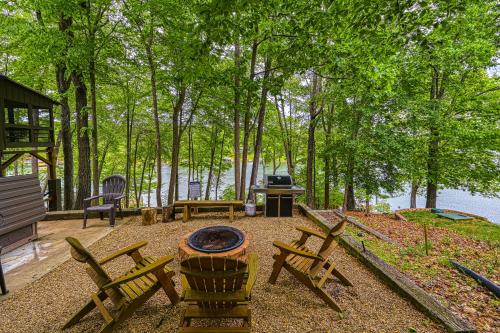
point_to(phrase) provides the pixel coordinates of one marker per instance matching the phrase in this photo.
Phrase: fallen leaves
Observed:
(433, 272)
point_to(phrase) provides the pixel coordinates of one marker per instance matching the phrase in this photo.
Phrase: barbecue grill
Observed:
(279, 193)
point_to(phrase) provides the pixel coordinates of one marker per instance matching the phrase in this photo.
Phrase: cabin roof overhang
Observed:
(18, 93)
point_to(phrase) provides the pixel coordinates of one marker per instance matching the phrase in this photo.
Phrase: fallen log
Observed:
(479, 278)
(400, 217)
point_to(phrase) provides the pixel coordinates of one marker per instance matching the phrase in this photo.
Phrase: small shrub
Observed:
(228, 193)
(382, 207)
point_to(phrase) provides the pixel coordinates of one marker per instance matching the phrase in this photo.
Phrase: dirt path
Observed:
(370, 306)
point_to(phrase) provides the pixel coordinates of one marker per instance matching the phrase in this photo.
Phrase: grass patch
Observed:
(386, 251)
(475, 228)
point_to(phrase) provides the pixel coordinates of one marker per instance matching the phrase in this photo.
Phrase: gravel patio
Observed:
(369, 306)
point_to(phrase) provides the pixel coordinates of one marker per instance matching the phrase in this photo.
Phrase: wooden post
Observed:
(185, 213)
(54, 194)
(231, 213)
(148, 216)
(168, 213)
(425, 237)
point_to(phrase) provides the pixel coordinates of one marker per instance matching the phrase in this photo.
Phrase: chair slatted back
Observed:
(94, 270)
(112, 187)
(328, 246)
(214, 275)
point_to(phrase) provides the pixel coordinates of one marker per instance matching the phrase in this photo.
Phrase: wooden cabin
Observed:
(27, 127)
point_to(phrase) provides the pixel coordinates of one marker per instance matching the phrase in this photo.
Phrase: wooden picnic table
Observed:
(188, 204)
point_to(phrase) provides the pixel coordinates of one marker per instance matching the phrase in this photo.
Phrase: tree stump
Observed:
(148, 216)
(168, 214)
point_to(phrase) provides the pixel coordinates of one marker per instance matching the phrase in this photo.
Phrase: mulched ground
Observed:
(370, 306)
(433, 273)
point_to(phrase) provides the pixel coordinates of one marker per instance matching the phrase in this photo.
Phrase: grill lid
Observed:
(279, 181)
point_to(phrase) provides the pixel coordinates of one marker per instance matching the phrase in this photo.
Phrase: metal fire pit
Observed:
(216, 239)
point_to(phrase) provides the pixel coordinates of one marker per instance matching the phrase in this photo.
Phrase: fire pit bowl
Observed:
(216, 239)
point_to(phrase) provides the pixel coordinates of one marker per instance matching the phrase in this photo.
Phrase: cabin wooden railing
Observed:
(26, 136)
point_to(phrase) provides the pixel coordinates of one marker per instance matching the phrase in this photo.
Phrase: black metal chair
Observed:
(113, 188)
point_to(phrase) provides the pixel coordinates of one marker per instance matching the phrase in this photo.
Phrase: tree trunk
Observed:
(285, 135)
(237, 92)
(432, 170)
(175, 143)
(94, 150)
(219, 169)
(246, 122)
(136, 190)
(213, 139)
(150, 177)
(413, 195)
(260, 127)
(436, 93)
(335, 172)
(63, 84)
(190, 138)
(82, 124)
(130, 125)
(311, 144)
(102, 162)
(349, 201)
(326, 199)
(152, 69)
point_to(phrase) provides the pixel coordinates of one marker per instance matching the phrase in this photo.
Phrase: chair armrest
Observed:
(253, 266)
(127, 250)
(288, 249)
(158, 264)
(310, 232)
(93, 197)
(119, 197)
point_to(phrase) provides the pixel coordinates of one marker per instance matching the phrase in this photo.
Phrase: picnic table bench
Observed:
(188, 204)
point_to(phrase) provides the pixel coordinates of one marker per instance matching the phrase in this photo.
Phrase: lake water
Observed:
(447, 198)
(458, 200)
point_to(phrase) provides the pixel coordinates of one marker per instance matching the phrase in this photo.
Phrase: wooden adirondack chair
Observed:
(306, 265)
(112, 194)
(128, 291)
(217, 287)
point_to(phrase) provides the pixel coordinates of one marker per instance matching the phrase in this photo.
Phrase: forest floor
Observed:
(474, 243)
(287, 306)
